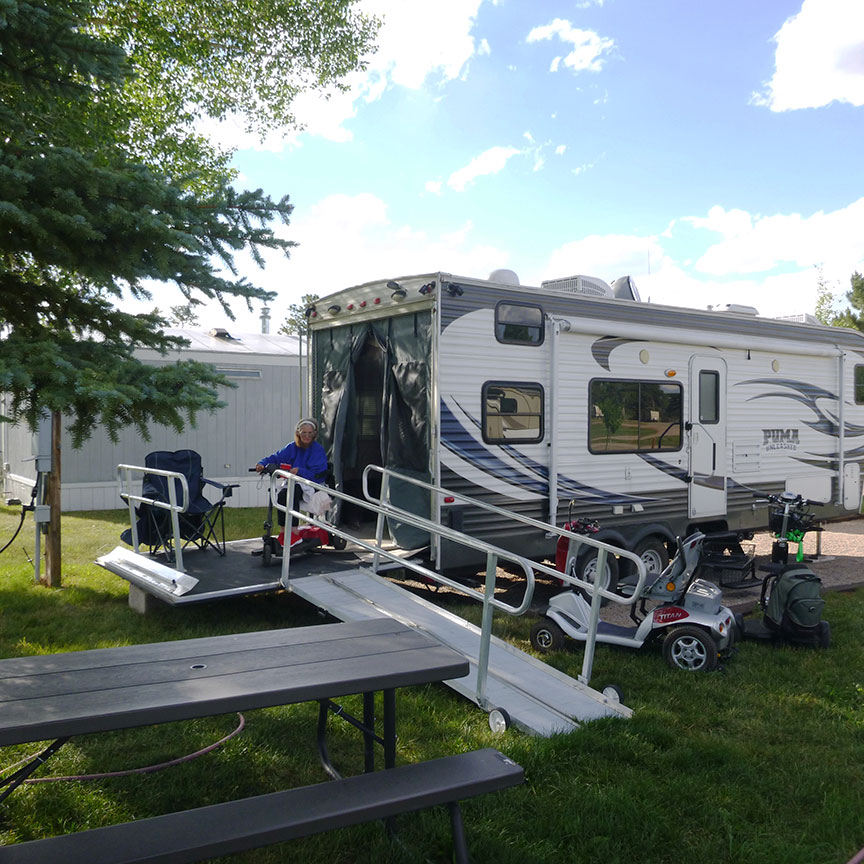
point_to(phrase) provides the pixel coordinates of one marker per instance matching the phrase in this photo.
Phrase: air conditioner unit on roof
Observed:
(587, 285)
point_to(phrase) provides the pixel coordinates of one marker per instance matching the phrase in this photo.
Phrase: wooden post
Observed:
(52, 499)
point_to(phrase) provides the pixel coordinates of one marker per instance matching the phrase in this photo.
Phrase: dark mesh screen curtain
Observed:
(406, 342)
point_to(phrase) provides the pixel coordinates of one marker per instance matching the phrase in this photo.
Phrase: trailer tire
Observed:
(585, 568)
(690, 649)
(654, 555)
(546, 635)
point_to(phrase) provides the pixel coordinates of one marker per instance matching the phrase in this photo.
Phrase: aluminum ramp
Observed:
(538, 698)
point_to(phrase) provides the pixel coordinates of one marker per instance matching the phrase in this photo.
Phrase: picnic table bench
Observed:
(61, 695)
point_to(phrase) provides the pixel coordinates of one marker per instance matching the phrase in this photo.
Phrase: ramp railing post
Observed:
(286, 528)
(126, 482)
(379, 523)
(596, 602)
(486, 628)
(175, 525)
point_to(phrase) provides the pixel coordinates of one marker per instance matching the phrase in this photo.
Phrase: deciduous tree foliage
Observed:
(853, 316)
(91, 208)
(243, 58)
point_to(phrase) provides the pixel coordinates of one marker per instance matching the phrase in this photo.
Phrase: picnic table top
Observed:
(57, 695)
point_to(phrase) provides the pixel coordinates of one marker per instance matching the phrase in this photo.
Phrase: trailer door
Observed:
(707, 438)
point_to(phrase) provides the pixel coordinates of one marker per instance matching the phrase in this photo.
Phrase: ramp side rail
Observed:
(124, 481)
(493, 555)
(596, 592)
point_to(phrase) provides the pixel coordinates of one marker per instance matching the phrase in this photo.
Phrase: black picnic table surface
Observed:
(56, 696)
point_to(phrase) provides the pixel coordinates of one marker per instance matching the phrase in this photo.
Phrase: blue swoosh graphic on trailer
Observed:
(463, 444)
(460, 442)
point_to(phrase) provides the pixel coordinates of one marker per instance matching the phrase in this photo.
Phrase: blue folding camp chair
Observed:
(201, 523)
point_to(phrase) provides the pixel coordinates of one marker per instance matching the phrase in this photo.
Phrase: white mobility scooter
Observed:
(695, 628)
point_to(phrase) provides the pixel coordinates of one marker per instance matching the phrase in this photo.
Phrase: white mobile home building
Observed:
(259, 418)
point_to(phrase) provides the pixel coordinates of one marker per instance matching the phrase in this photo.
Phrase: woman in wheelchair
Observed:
(307, 459)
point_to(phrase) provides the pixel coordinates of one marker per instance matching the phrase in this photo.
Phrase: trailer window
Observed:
(709, 396)
(519, 323)
(634, 416)
(512, 413)
(859, 385)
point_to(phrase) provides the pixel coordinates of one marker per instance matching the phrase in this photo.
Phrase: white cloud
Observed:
(434, 186)
(819, 57)
(491, 161)
(484, 49)
(345, 240)
(758, 244)
(589, 49)
(766, 262)
(560, 149)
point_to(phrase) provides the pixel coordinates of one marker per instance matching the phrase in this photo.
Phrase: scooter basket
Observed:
(797, 521)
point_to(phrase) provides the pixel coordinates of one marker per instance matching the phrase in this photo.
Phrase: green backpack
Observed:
(795, 601)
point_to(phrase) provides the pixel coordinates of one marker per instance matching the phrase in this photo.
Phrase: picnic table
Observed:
(62, 695)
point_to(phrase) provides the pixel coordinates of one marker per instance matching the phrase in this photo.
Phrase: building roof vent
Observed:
(220, 333)
(589, 286)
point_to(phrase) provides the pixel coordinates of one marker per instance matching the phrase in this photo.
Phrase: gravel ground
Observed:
(839, 562)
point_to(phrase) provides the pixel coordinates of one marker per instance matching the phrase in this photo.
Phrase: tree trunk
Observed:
(52, 540)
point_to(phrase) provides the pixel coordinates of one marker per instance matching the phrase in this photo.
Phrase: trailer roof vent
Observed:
(737, 308)
(220, 333)
(624, 288)
(802, 318)
(505, 277)
(587, 285)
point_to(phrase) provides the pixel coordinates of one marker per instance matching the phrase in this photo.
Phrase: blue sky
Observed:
(711, 150)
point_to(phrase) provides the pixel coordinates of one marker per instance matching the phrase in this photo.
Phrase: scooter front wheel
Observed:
(690, 649)
(546, 635)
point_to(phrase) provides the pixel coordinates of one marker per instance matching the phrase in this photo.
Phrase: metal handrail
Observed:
(525, 520)
(124, 472)
(596, 592)
(493, 555)
(418, 522)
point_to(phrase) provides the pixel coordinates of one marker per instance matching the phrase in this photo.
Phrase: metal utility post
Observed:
(53, 562)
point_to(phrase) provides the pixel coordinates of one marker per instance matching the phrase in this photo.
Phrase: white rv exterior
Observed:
(652, 419)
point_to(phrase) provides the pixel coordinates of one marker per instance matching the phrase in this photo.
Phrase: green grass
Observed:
(763, 762)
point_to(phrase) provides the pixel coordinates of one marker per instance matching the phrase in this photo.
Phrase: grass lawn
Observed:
(763, 762)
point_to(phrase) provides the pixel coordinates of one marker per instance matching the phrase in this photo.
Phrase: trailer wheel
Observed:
(585, 568)
(546, 635)
(655, 557)
(690, 649)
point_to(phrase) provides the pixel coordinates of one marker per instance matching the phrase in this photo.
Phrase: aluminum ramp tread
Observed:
(538, 698)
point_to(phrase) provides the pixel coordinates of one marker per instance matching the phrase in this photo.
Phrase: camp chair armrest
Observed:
(226, 488)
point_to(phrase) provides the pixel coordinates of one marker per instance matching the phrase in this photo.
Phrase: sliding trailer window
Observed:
(512, 413)
(519, 324)
(634, 416)
(859, 385)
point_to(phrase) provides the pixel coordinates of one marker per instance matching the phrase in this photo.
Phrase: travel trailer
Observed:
(576, 397)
